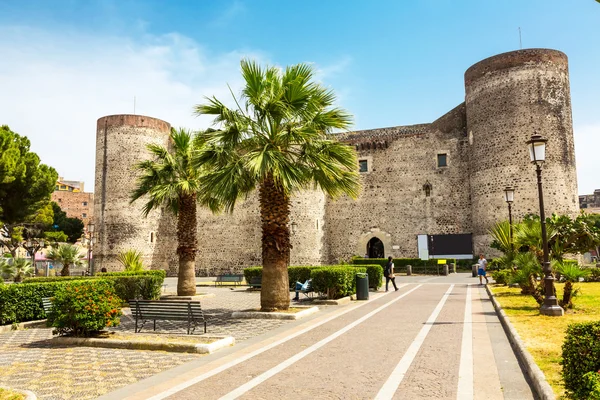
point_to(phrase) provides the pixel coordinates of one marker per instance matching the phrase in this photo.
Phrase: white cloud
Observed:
(587, 149)
(53, 87)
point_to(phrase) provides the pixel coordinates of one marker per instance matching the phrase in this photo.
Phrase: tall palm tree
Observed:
(278, 139)
(67, 255)
(171, 180)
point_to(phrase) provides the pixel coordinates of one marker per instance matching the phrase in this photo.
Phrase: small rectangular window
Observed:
(85, 203)
(84, 215)
(151, 237)
(363, 166)
(442, 160)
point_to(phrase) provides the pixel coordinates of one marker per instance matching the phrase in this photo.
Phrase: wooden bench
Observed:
(167, 310)
(255, 282)
(47, 304)
(235, 278)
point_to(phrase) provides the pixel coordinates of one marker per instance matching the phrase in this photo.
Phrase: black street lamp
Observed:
(90, 239)
(537, 153)
(33, 245)
(509, 196)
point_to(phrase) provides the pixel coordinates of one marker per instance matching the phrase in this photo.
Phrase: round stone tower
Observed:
(120, 144)
(510, 97)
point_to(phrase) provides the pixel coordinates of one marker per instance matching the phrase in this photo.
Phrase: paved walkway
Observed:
(29, 360)
(437, 337)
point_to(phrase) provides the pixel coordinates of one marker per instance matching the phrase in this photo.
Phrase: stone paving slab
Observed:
(29, 360)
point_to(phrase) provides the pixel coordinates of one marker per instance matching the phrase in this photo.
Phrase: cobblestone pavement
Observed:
(217, 311)
(28, 359)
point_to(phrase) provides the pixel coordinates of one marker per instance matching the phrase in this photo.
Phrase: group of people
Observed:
(388, 272)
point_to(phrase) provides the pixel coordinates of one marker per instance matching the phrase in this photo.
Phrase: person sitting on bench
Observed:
(299, 287)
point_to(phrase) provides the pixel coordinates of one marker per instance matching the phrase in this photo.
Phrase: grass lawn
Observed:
(543, 336)
(6, 394)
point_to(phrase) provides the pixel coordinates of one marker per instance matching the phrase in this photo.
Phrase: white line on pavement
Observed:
(237, 361)
(427, 279)
(390, 386)
(465, 371)
(290, 361)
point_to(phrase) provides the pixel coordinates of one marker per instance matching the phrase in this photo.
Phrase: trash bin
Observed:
(362, 286)
(474, 268)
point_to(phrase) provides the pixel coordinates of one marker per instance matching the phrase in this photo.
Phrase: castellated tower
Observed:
(428, 190)
(510, 97)
(120, 144)
(226, 242)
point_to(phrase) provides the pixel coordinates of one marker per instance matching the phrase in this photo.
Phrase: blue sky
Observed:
(67, 63)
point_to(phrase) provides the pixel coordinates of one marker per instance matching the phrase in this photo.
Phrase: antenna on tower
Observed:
(520, 42)
(133, 105)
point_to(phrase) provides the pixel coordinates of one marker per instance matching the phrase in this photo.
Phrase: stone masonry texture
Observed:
(508, 98)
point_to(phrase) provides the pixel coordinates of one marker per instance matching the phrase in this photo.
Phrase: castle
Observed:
(442, 180)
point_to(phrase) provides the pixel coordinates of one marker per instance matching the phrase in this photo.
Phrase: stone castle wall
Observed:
(393, 205)
(508, 98)
(120, 144)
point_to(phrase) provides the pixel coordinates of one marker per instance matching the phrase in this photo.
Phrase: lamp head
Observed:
(537, 149)
(509, 194)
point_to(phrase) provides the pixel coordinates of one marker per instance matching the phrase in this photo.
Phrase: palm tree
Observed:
(570, 274)
(171, 180)
(278, 140)
(131, 260)
(528, 271)
(67, 255)
(21, 268)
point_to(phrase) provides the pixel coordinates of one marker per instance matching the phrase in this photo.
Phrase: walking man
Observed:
(481, 269)
(388, 272)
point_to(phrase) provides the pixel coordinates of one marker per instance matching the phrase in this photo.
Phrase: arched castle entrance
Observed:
(375, 248)
(375, 240)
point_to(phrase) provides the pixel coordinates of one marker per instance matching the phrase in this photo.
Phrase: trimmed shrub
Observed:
(580, 355)
(299, 274)
(503, 276)
(591, 382)
(337, 281)
(145, 287)
(157, 272)
(418, 266)
(44, 279)
(128, 285)
(83, 308)
(375, 272)
(252, 272)
(21, 302)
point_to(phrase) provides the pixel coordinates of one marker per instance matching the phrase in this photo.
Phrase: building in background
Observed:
(72, 199)
(428, 190)
(590, 203)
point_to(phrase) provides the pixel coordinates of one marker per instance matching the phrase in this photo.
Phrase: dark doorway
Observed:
(375, 248)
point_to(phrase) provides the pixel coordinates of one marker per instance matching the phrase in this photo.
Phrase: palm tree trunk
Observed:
(186, 245)
(65, 270)
(567, 294)
(274, 215)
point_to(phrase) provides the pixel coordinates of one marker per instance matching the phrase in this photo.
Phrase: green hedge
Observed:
(20, 302)
(45, 279)
(580, 355)
(157, 272)
(338, 281)
(128, 285)
(418, 266)
(252, 272)
(375, 273)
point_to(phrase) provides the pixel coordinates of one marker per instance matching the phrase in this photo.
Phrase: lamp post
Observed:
(294, 226)
(537, 153)
(90, 238)
(509, 196)
(33, 245)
